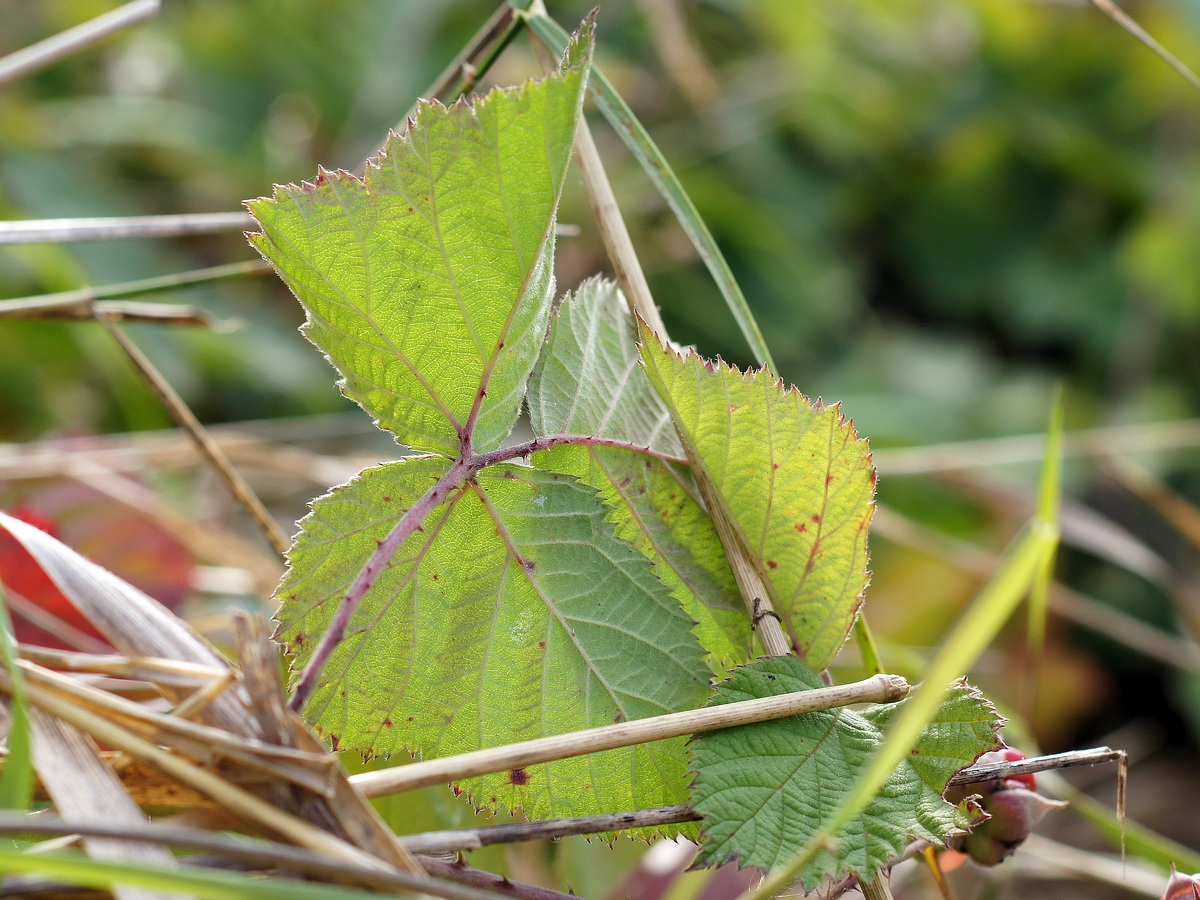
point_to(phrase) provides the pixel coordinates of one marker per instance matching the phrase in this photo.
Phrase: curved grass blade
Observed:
(74, 868)
(639, 142)
(17, 781)
(1049, 501)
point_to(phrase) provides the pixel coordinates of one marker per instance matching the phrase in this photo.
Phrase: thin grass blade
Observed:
(74, 868)
(16, 783)
(639, 142)
(1048, 512)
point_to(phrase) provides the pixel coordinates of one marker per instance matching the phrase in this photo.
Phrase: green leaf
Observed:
(765, 789)
(428, 285)
(514, 613)
(795, 478)
(589, 382)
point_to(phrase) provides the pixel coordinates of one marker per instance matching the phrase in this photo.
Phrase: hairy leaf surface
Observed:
(515, 613)
(765, 789)
(795, 478)
(589, 382)
(428, 285)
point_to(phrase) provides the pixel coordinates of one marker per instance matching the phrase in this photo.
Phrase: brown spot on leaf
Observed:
(518, 777)
(771, 564)
(542, 644)
(387, 723)
(800, 527)
(816, 518)
(334, 740)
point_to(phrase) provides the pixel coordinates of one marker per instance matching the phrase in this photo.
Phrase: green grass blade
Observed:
(639, 142)
(17, 782)
(1025, 562)
(74, 868)
(1049, 501)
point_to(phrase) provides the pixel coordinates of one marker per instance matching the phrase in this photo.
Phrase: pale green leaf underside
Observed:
(515, 613)
(764, 789)
(795, 478)
(589, 381)
(432, 281)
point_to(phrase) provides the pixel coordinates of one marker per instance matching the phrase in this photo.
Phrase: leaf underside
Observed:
(765, 789)
(795, 478)
(589, 381)
(515, 613)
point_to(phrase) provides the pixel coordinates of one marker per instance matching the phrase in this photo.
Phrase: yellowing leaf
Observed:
(428, 285)
(795, 478)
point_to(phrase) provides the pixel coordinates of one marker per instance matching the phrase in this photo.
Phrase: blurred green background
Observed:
(937, 209)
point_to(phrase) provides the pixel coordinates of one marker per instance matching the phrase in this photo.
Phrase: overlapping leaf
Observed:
(795, 478)
(428, 285)
(515, 613)
(765, 789)
(589, 382)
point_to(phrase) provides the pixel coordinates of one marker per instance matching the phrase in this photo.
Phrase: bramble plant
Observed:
(491, 589)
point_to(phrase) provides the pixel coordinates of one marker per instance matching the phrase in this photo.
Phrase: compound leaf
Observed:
(589, 382)
(428, 284)
(764, 789)
(515, 612)
(795, 479)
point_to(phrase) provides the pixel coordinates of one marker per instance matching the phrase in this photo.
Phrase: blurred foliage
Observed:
(937, 209)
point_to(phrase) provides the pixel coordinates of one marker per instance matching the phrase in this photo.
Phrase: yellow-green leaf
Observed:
(795, 478)
(428, 284)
